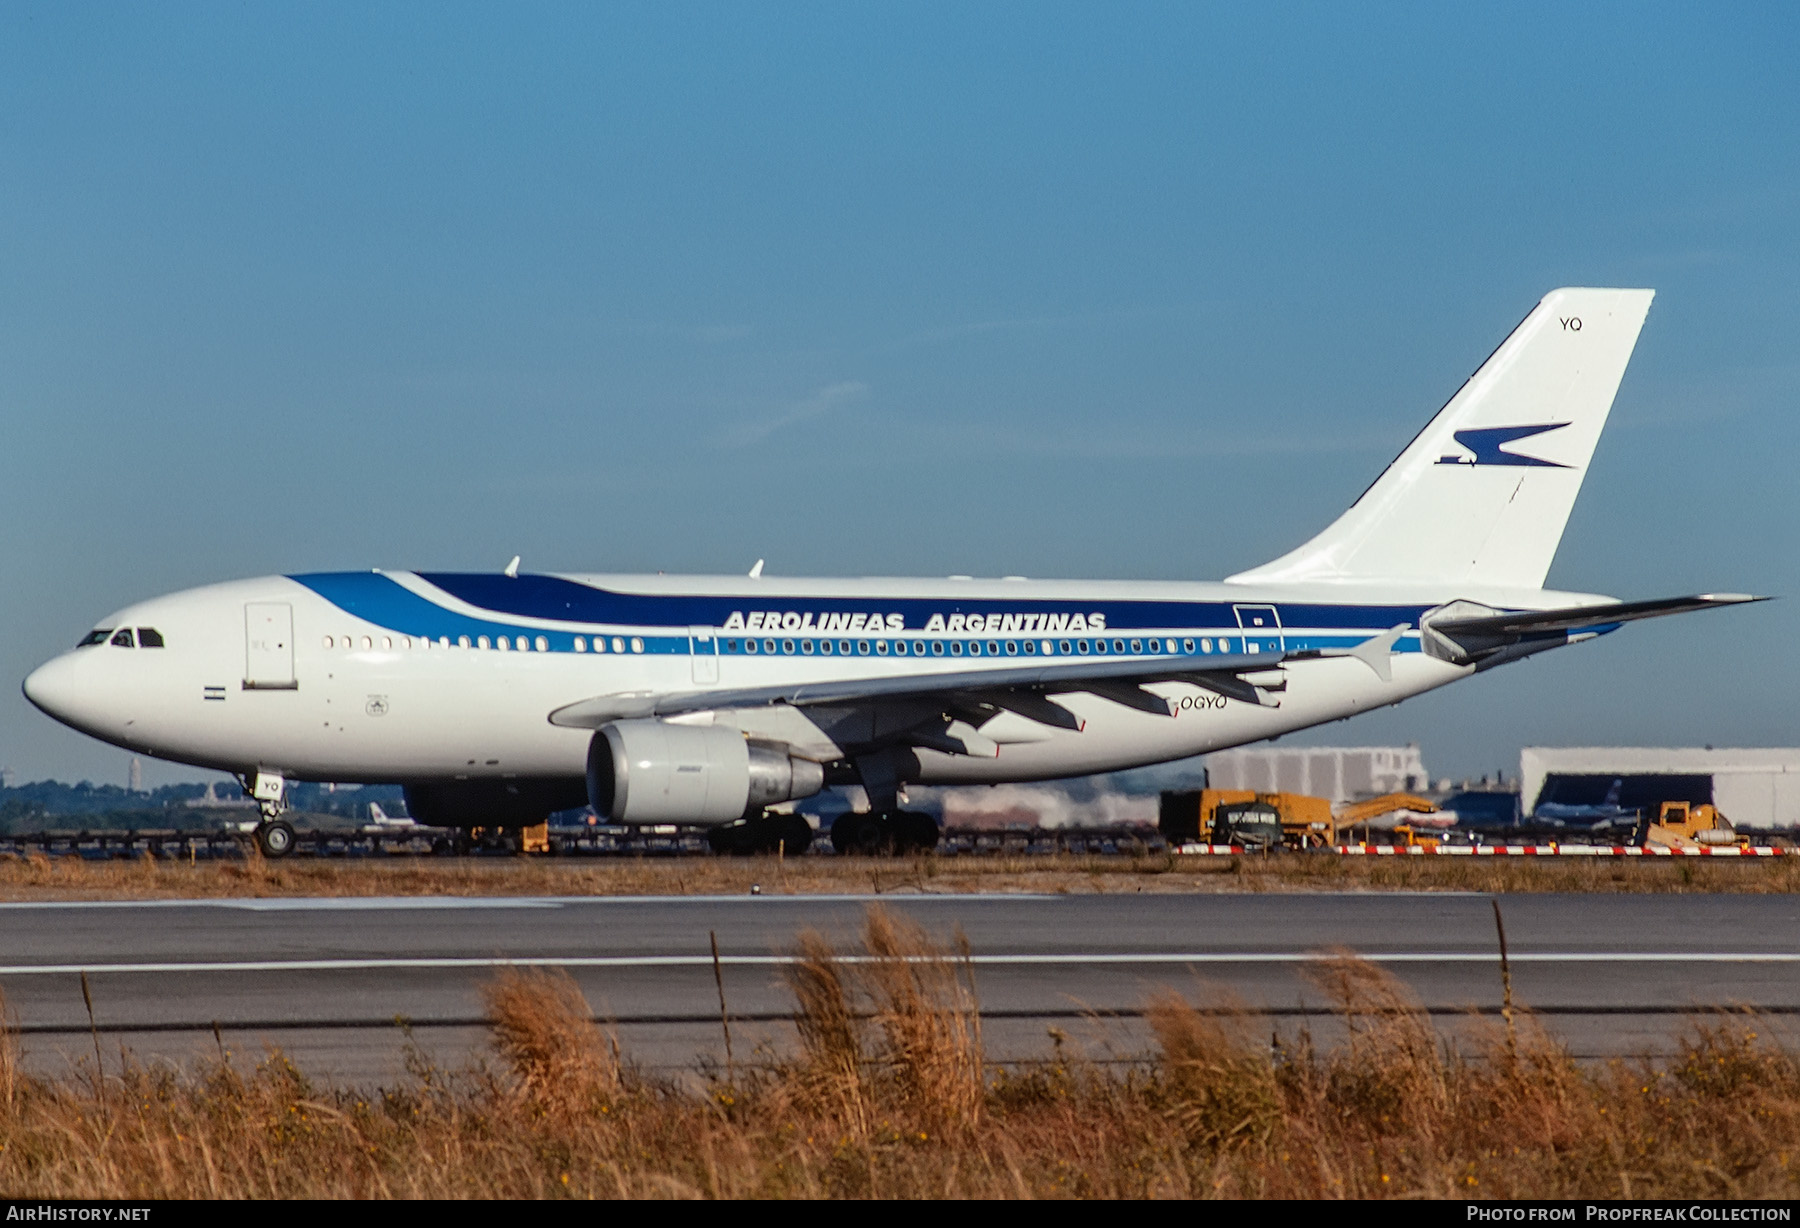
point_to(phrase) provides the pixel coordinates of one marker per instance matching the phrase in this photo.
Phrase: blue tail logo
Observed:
(1485, 443)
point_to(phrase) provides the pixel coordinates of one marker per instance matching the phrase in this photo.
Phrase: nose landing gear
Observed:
(275, 839)
(274, 835)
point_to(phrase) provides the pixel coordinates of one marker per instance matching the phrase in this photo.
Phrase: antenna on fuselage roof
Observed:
(512, 569)
(756, 571)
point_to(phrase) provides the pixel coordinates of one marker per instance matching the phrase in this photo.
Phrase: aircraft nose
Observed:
(54, 688)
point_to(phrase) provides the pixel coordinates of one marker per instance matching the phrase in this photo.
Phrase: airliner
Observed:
(500, 698)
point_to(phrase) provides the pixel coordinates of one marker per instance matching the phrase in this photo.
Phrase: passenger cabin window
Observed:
(122, 638)
(97, 636)
(149, 637)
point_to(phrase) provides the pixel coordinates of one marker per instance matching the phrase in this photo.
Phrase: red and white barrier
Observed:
(1556, 850)
(1512, 850)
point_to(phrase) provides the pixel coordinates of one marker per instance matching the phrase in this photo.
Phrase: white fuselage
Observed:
(392, 676)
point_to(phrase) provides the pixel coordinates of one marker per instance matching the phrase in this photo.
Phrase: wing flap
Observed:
(999, 687)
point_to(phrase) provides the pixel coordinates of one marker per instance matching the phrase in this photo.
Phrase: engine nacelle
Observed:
(653, 772)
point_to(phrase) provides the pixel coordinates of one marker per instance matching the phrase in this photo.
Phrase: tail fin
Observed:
(1481, 495)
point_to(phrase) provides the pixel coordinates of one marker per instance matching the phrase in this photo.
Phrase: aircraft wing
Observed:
(1579, 618)
(971, 695)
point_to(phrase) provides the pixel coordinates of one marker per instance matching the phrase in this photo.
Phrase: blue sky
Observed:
(1107, 290)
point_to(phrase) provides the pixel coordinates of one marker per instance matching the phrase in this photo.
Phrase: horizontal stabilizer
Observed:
(1580, 618)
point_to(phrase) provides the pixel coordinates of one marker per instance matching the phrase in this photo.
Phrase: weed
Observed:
(890, 1095)
(39, 877)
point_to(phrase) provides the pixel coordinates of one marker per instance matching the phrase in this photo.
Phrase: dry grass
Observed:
(924, 1062)
(889, 1097)
(542, 1029)
(40, 877)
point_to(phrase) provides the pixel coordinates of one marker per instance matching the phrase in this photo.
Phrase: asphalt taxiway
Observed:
(331, 980)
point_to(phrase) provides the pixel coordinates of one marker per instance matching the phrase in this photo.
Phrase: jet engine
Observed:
(650, 771)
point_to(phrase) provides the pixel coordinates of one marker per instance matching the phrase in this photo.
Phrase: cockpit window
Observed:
(122, 638)
(149, 637)
(96, 636)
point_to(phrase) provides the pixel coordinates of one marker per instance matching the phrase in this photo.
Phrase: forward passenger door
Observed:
(269, 646)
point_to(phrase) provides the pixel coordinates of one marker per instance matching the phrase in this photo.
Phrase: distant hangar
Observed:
(1753, 787)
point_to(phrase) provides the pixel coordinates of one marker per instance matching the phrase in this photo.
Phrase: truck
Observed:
(1251, 820)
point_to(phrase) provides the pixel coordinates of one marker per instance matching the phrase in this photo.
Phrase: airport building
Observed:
(1339, 773)
(1757, 787)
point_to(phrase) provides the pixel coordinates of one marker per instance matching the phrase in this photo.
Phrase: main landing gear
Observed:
(767, 833)
(892, 831)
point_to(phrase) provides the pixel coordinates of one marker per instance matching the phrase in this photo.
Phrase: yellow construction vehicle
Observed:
(1687, 825)
(1363, 813)
(534, 839)
(1407, 837)
(1253, 820)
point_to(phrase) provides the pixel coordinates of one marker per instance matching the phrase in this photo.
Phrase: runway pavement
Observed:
(326, 979)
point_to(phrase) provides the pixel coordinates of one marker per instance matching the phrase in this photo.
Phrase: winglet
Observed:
(512, 568)
(756, 571)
